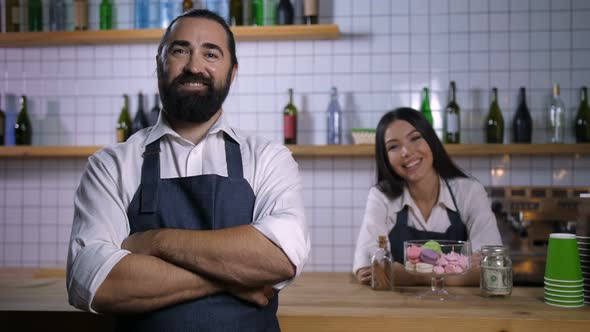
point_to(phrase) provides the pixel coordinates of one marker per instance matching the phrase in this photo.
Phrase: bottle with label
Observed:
(140, 121)
(80, 14)
(425, 106)
(187, 5)
(522, 124)
(23, 133)
(57, 15)
(2, 126)
(290, 121)
(35, 11)
(155, 111)
(557, 117)
(495, 121)
(382, 266)
(496, 272)
(12, 15)
(582, 121)
(236, 13)
(334, 117)
(452, 120)
(124, 121)
(142, 14)
(310, 11)
(285, 13)
(106, 15)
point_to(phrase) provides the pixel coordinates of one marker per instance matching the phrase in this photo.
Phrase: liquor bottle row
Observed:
(333, 120)
(127, 127)
(155, 13)
(22, 131)
(522, 123)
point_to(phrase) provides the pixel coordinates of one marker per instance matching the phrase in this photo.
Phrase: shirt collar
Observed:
(162, 128)
(444, 198)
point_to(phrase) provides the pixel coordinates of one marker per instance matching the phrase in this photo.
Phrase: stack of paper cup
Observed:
(564, 286)
(584, 250)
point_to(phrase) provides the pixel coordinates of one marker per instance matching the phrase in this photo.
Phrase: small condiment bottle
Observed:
(496, 272)
(382, 267)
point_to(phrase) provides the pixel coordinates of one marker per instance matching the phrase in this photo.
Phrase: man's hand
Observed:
(259, 296)
(141, 242)
(363, 275)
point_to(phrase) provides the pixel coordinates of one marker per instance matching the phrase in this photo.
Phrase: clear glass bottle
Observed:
(496, 272)
(557, 117)
(57, 15)
(382, 266)
(334, 116)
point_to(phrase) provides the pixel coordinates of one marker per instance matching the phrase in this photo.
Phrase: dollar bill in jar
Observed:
(496, 271)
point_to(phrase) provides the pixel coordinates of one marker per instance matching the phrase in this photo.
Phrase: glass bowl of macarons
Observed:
(437, 259)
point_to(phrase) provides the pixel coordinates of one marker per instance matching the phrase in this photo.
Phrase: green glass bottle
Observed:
(12, 16)
(106, 15)
(582, 122)
(23, 132)
(124, 122)
(35, 10)
(236, 13)
(290, 121)
(495, 121)
(425, 106)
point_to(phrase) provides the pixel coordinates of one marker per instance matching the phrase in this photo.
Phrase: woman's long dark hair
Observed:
(388, 181)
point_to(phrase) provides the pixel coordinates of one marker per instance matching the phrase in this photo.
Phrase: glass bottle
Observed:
(247, 12)
(285, 13)
(522, 124)
(557, 117)
(310, 12)
(80, 14)
(2, 126)
(382, 267)
(155, 111)
(425, 106)
(106, 15)
(582, 121)
(452, 120)
(495, 121)
(22, 128)
(290, 121)
(124, 121)
(140, 121)
(35, 10)
(334, 117)
(496, 272)
(236, 13)
(142, 14)
(57, 15)
(12, 16)
(187, 5)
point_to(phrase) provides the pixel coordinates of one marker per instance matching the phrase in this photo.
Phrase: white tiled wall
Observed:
(387, 52)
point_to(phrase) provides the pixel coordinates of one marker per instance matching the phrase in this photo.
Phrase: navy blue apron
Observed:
(203, 202)
(401, 232)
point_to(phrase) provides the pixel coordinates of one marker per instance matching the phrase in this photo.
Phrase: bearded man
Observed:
(190, 225)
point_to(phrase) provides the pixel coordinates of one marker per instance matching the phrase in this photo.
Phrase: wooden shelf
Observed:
(324, 151)
(103, 37)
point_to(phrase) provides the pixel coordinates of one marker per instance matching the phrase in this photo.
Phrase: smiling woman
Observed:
(420, 194)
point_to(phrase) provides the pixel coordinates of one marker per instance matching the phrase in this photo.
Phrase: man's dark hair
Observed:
(388, 181)
(209, 15)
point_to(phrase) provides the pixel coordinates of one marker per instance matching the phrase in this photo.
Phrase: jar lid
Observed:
(493, 249)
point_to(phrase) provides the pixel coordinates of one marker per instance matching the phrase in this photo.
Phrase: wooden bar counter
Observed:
(317, 302)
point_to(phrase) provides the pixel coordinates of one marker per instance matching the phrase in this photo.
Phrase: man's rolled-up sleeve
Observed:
(279, 211)
(98, 229)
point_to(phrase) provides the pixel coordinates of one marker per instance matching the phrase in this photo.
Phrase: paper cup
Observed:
(562, 305)
(563, 295)
(563, 260)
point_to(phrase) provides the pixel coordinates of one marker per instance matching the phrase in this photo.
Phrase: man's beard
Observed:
(194, 107)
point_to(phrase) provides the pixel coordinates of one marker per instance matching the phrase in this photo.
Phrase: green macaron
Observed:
(432, 245)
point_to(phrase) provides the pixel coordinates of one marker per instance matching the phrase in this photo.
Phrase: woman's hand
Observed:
(363, 275)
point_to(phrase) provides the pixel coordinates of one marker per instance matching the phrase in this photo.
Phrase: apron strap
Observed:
(233, 157)
(150, 177)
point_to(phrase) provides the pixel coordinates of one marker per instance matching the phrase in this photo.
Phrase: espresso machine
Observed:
(526, 216)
